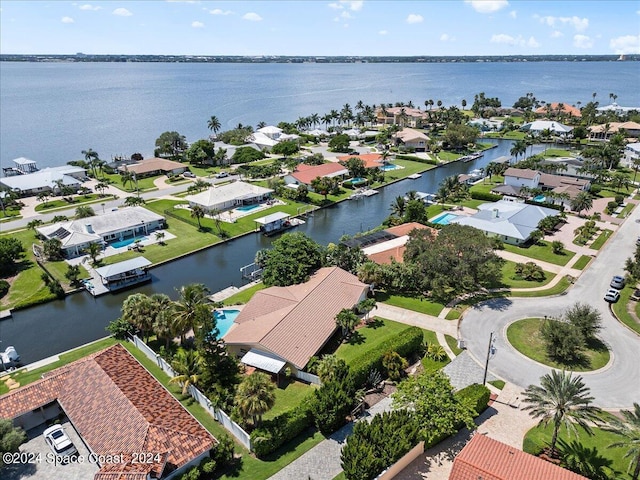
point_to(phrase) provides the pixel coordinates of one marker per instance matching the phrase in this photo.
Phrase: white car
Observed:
(612, 295)
(59, 442)
(222, 175)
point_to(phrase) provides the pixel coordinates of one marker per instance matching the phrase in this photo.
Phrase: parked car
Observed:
(617, 282)
(612, 295)
(59, 441)
(222, 175)
(189, 175)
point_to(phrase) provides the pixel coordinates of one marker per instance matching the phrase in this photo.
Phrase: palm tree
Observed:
(160, 237)
(133, 201)
(43, 197)
(84, 211)
(255, 396)
(582, 201)
(329, 367)
(188, 364)
(629, 428)
(192, 309)
(137, 310)
(161, 312)
(347, 321)
(101, 187)
(561, 399)
(214, 125)
(370, 273)
(93, 250)
(90, 156)
(398, 206)
(126, 177)
(584, 460)
(198, 212)
(366, 306)
(34, 223)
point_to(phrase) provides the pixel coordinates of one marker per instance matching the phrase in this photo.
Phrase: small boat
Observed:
(358, 194)
(414, 176)
(9, 358)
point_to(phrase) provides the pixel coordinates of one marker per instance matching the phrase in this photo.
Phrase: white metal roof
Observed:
(43, 178)
(266, 361)
(226, 193)
(272, 218)
(122, 267)
(24, 161)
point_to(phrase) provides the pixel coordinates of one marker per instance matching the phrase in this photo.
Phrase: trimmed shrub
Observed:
(4, 288)
(619, 199)
(489, 197)
(405, 343)
(475, 396)
(274, 433)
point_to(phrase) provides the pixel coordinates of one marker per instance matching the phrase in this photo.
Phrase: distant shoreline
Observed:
(81, 57)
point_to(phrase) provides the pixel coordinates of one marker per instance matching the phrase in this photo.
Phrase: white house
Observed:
(270, 131)
(631, 153)
(46, 180)
(231, 195)
(522, 177)
(540, 126)
(511, 222)
(412, 139)
(126, 223)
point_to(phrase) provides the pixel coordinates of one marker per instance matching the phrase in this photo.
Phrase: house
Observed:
(539, 126)
(285, 326)
(370, 160)
(262, 141)
(50, 180)
(618, 109)
(556, 108)
(522, 177)
(488, 459)
(150, 167)
(411, 138)
(511, 222)
(392, 249)
(117, 407)
(400, 116)
(607, 130)
(632, 154)
(230, 195)
(125, 223)
(270, 131)
(22, 166)
(517, 178)
(305, 174)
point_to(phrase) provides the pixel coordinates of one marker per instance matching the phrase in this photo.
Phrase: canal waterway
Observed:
(48, 329)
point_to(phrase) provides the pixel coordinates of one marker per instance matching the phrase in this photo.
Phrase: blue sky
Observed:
(310, 27)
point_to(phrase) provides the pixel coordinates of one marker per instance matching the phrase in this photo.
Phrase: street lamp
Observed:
(491, 350)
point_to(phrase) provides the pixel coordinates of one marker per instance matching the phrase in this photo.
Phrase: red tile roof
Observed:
(490, 459)
(566, 108)
(295, 322)
(371, 160)
(406, 228)
(306, 173)
(117, 407)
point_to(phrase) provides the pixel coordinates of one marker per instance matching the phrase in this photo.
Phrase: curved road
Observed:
(615, 386)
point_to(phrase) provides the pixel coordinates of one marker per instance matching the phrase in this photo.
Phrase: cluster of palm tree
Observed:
(562, 400)
(93, 160)
(451, 189)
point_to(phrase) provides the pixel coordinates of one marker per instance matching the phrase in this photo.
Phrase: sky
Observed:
(321, 28)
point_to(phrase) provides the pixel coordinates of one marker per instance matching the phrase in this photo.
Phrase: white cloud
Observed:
(382, 32)
(86, 6)
(513, 14)
(345, 15)
(356, 5)
(580, 24)
(445, 37)
(518, 41)
(67, 20)
(556, 34)
(252, 17)
(217, 11)
(197, 24)
(532, 42)
(582, 41)
(625, 44)
(487, 6)
(335, 6)
(414, 18)
(122, 12)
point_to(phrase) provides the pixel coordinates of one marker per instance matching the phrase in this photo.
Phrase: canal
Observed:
(48, 329)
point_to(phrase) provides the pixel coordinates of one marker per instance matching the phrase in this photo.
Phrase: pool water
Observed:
(539, 198)
(358, 180)
(224, 320)
(389, 167)
(444, 218)
(128, 241)
(247, 208)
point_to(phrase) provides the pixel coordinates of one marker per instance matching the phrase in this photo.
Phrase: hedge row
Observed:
(429, 161)
(476, 396)
(490, 197)
(404, 343)
(546, 204)
(274, 433)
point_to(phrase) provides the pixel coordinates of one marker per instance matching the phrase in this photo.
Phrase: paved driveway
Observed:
(616, 385)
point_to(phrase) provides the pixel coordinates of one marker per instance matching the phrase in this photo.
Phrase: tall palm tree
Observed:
(188, 364)
(84, 211)
(398, 206)
(93, 250)
(214, 125)
(191, 310)
(347, 321)
(255, 396)
(126, 177)
(90, 157)
(329, 367)
(137, 310)
(198, 212)
(582, 201)
(561, 399)
(629, 428)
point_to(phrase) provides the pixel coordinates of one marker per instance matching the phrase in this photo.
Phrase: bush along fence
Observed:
(218, 414)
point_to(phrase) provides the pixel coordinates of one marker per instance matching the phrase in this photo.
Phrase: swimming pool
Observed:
(224, 320)
(127, 241)
(444, 218)
(247, 208)
(539, 198)
(358, 180)
(389, 167)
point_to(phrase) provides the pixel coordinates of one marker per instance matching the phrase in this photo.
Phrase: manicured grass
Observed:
(203, 171)
(620, 309)
(582, 262)
(487, 184)
(417, 304)
(445, 156)
(289, 396)
(59, 269)
(557, 152)
(453, 344)
(9, 213)
(24, 377)
(602, 238)
(499, 384)
(541, 251)
(511, 280)
(244, 296)
(431, 365)
(524, 336)
(75, 201)
(453, 314)
(626, 210)
(144, 184)
(539, 437)
(557, 289)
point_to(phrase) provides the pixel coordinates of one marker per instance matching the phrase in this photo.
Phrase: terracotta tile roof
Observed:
(614, 127)
(295, 322)
(566, 108)
(397, 246)
(406, 228)
(489, 459)
(117, 407)
(306, 173)
(371, 160)
(385, 257)
(149, 165)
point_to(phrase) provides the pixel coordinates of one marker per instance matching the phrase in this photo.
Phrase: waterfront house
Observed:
(305, 174)
(618, 109)
(230, 195)
(606, 130)
(370, 160)
(150, 167)
(488, 459)
(49, 180)
(412, 117)
(558, 109)
(522, 177)
(123, 224)
(285, 326)
(117, 407)
(392, 249)
(411, 139)
(539, 126)
(511, 222)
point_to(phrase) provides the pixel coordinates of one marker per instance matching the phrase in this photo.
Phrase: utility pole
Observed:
(490, 350)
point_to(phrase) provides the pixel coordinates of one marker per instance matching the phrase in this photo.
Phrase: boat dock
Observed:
(117, 276)
(414, 176)
(230, 291)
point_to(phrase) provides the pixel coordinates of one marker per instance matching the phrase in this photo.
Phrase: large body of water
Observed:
(50, 112)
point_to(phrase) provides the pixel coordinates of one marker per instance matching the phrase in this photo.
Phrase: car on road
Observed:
(612, 295)
(617, 282)
(189, 175)
(59, 441)
(222, 175)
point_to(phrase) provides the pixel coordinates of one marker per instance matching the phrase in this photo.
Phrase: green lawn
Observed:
(10, 213)
(75, 201)
(244, 296)
(511, 280)
(512, 135)
(453, 344)
(289, 396)
(524, 336)
(558, 152)
(620, 309)
(144, 184)
(539, 437)
(499, 384)
(541, 251)
(417, 304)
(487, 185)
(557, 289)
(59, 269)
(626, 210)
(582, 262)
(445, 156)
(453, 314)
(602, 238)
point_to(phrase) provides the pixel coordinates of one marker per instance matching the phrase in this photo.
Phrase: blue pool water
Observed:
(224, 320)
(389, 167)
(444, 218)
(539, 198)
(358, 180)
(247, 208)
(128, 241)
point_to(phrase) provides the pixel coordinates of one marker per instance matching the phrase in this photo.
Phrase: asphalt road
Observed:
(617, 385)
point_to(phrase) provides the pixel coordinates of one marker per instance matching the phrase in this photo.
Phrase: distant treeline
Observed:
(81, 57)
